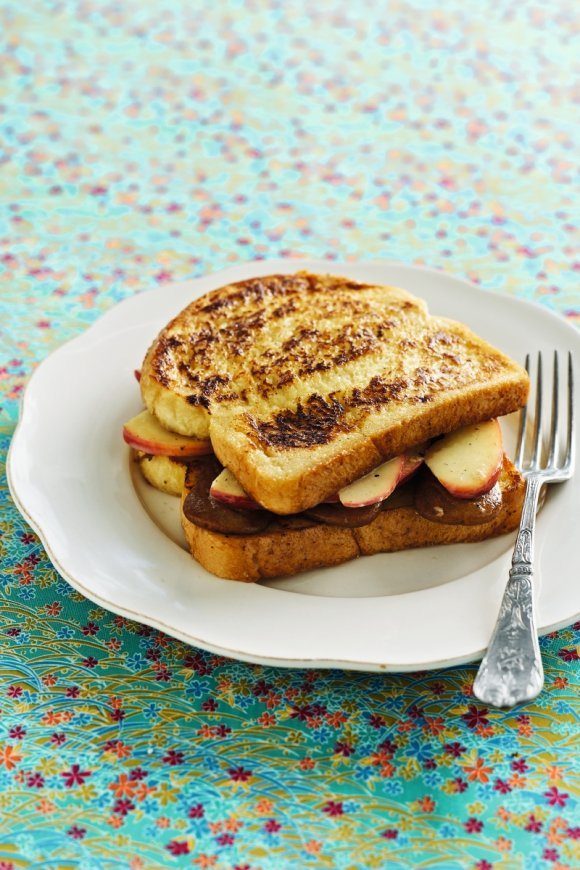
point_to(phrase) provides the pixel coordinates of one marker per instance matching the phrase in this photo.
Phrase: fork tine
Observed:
(521, 432)
(535, 462)
(554, 430)
(569, 462)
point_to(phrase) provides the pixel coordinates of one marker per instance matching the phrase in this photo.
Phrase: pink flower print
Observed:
(473, 826)
(333, 808)
(75, 776)
(556, 798)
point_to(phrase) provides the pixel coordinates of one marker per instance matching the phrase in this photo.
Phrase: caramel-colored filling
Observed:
(423, 493)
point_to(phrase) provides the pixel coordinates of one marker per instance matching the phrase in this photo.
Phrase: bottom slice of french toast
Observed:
(291, 545)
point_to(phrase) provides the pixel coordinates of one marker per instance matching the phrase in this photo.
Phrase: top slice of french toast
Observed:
(305, 382)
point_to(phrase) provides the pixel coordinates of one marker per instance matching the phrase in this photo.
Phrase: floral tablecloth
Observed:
(142, 143)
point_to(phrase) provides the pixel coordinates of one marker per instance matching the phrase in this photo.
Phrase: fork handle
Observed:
(511, 670)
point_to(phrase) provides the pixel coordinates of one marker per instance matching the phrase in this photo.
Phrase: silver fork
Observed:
(511, 670)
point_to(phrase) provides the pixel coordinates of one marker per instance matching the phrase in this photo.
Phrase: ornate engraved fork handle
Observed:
(511, 671)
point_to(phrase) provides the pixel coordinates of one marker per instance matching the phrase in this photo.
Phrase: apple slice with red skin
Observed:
(372, 488)
(145, 433)
(379, 483)
(468, 462)
(412, 461)
(227, 489)
(137, 373)
(375, 486)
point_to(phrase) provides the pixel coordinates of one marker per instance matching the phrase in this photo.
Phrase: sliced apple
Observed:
(412, 461)
(145, 433)
(468, 462)
(137, 373)
(375, 486)
(227, 489)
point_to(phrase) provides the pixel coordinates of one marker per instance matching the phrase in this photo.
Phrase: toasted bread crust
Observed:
(305, 382)
(287, 490)
(281, 551)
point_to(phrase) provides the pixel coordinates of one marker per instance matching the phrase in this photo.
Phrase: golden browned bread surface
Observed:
(162, 472)
(281, 551)
(305, 382)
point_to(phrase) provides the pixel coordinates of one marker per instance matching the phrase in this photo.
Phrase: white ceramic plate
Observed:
(117, 541)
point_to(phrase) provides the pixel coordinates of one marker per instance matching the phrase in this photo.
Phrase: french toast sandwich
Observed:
(294, 390)
(305, 382)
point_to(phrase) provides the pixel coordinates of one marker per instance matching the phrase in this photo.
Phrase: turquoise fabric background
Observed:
(142, 143)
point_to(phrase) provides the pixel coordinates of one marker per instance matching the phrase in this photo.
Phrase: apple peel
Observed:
(227, 489)
(468, 462)
(375, 486)
(145, 433)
